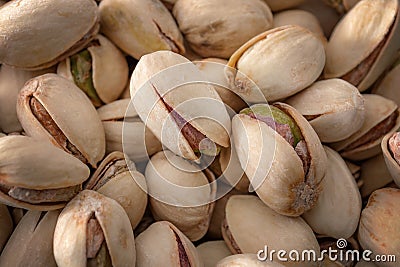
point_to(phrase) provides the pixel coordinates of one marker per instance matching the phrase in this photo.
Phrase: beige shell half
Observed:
(392, 165)
(212, 252)
(388, 86)
(69, 108)
(277, 63)
(232, 171)
(246, 260)
(6, 226)
(69, 244)
(337, 108)
(38, 34)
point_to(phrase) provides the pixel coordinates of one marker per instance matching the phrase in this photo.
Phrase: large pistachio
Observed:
(281, 155)
(379, 224)
(250, 226)
(381, 117)
(117, 178)
(391, 152)
(172, 105)
(37, 175)
(388, 86)
(52, 108)
(277, 5)
(212, 35)
(337, 211)
(334, 108)
(31, 243)
(276, 64)
(162, 244)
(171, 180)
(100, 70)
(246, 260)
(33, 33)
(126, 132)
(374, 30)
(93, 230)
(140, 27)
(212, 252)
(6, 226)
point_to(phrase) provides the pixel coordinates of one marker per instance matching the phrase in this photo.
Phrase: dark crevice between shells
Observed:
(112, 169)
(44, 118)
(183, 257)
(171, 43)
(94, 237)
(229, 235)
(312, 117)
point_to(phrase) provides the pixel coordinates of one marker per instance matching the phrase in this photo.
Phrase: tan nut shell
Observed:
(379, 224)
(232, 171)
(277, 5)
(391, 163)
(38, 34)
(70, 234)
(367, 23)
(70, 108)
(337, 211)
(158, 246)
(389, 85)
(109, 69)
(246, 260)
(253, 225)
(272, 165)
(6, 226)
(211, 34)
(374, 174)
(280, 62)
(338, 105)
(181, 193)
(212, 252)
(140, 27)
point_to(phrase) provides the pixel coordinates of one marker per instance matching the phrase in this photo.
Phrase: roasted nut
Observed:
(212, 252)
(246, 260)
(33, 34)
(6, 226)
(211, 34)
(140, 27)
(50, 108)
(93, 230)
(36, 175)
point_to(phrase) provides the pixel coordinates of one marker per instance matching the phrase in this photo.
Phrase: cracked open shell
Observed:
(390, 149)
(250, 226)
(169, 96)
(246, 260)
(285, 168)
(212, 252)
(210, 34)
(100, 70)
(34, 36)
(125, 131)
(381, 117)
(180, 192)
(117, 178)
(334, 108)
(31, 243)
(6, 226)
(162, 244)
(374, 30)
(36, 175)
(53, 108)
(93, 230)
(379, 224)
(140, 27)
(337, 211)
(276, 64)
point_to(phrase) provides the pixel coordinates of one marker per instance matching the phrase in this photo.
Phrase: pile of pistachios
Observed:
(191, 133)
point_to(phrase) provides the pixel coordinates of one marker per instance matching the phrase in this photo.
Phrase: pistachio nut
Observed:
(334, 108)
(250, 226)
(387, 86)
(100, 70)
(391, 152)
(36, 175)
(125, 131)
(381, 117)
(281, 155)
(170, 180)
(246, 260)
(212, 252)
(93, 230)
(140, 27)
(34, 36)
(6, 226)
(260, 67)
(337, 211)
(342, 6)
(232, 171)
(117, 178)
(31, 243)
(374, 30)
(50, 108)
(210, 34)
(277, 5)
(379, 224)
(172, 103)
(172, 248)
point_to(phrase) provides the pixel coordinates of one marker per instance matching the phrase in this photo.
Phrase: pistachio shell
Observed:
(246, 260)
(140, 27)
(212, 252)
(392, 165)
(280, 62)
(34, 34)
(232, 171)
(335, 108)
(172, 248)
(6, 226)
(337, 211)
(277, 5)
(211, 35)
(389, 84)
